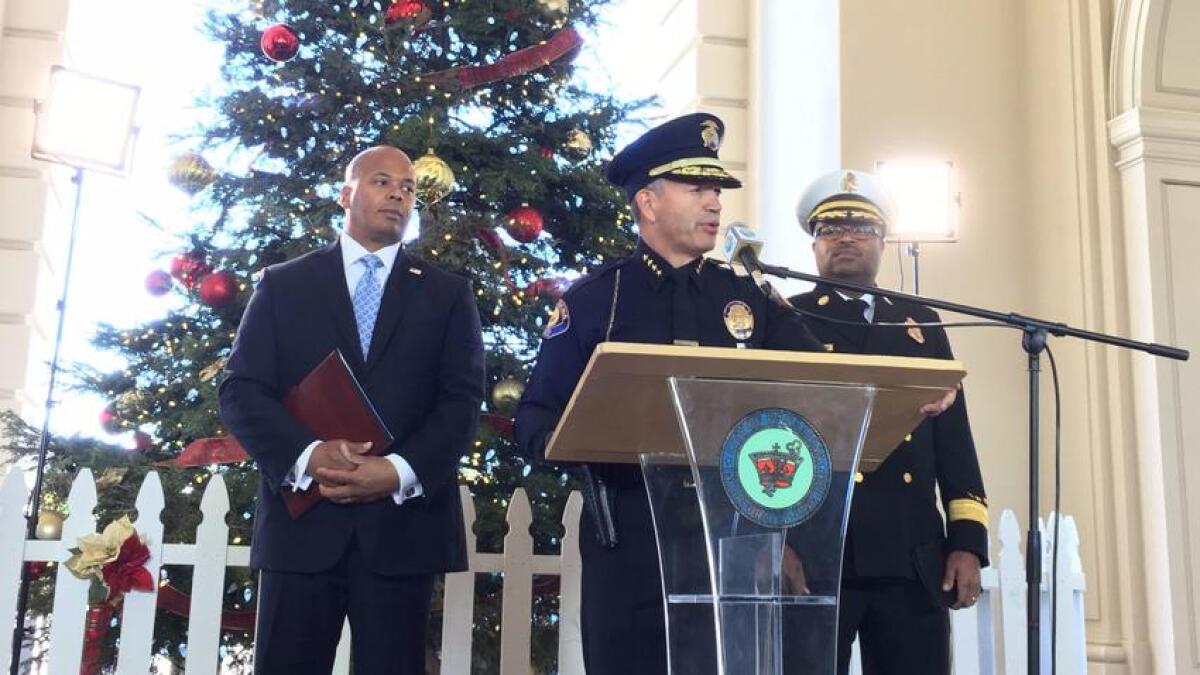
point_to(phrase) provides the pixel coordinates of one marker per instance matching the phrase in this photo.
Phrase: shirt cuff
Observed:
(410, 487)
(298, 477)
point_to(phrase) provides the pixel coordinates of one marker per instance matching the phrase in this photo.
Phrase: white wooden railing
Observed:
(996, 623)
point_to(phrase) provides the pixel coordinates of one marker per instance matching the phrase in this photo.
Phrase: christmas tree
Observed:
(509, 146)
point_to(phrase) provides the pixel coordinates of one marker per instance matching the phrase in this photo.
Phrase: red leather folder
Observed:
(331, 404)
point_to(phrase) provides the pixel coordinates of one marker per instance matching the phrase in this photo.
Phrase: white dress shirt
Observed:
(410, 486)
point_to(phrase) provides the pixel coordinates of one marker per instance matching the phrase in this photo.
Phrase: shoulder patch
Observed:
(560, 320)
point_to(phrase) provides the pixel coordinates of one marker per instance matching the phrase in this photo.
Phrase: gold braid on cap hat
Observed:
(847, 209)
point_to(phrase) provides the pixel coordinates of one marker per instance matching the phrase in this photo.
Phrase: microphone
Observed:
(741, 248)
(741, 244)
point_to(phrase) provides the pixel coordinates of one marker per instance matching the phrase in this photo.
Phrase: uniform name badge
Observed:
(739, 320)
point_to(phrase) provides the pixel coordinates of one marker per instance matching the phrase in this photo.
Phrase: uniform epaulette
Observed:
(597, 273)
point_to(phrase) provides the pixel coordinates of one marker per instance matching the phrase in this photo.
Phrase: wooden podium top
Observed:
(622, 405)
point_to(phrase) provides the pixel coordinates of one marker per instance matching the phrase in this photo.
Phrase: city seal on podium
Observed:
(775, 468)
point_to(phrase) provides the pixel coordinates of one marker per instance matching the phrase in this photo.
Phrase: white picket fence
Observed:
(976, 647)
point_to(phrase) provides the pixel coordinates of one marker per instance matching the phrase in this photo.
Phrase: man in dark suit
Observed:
(902, 566)
(411, 335)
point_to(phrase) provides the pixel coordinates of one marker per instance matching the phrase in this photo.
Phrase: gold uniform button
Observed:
(907, 477)
(858, 477)
(823, 300)
(907, 438)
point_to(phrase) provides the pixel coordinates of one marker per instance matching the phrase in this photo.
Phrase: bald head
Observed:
(378, 196)
(383, 152)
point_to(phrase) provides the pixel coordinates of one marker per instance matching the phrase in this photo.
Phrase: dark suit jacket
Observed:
(424, 375)
(895, 527)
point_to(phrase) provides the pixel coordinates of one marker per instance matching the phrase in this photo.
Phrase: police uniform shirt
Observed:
(633, 299)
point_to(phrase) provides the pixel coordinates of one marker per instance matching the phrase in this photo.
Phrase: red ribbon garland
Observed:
(519, 62)
(175, 601)
(205, 451)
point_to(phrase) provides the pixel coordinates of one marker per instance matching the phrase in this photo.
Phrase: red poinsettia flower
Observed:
(128, 571)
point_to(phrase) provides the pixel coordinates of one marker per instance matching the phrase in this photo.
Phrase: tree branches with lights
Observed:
(508, 144)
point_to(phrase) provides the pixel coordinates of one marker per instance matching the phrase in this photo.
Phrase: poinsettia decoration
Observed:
(116, 558)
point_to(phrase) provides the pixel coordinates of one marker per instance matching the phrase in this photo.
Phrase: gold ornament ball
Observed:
(49, 524)
(132, 402)
(191, 173)
(435, 178)
(554, 9)
(578, 144)
(506, 394)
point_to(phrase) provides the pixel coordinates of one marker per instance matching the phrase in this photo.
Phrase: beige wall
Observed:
(31, 199)
(1008, 92)
(1018, 95)
(702, 54)
(1059, 220)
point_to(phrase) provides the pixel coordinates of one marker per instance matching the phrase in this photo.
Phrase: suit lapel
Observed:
(332, 282)
(397, 294)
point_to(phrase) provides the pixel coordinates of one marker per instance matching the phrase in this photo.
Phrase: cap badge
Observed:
(710, 135)
(849, 182)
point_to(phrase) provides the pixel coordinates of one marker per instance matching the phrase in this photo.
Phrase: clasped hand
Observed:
(346, 474)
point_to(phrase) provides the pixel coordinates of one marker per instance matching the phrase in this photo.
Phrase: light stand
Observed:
(914, 251)
(100, 141)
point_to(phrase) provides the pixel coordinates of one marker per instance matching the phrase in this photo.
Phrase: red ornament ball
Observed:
(109, 421)
(551, 287)
(408, 11)
(524, 224)
(546, 152)
(280, 43)
(36, 568)
(189, 268)
(218, 289)
(158, 283)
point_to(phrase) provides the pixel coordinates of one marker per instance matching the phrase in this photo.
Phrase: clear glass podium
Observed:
(751, 542)
(749, 459)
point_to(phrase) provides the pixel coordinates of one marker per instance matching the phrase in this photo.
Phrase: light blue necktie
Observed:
(367, 295)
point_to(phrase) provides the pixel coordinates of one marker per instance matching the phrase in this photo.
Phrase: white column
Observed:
(797, 119)
(1159, 163)
(31, 41)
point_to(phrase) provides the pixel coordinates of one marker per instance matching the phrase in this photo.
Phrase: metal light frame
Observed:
(915, 237)
(61, 137)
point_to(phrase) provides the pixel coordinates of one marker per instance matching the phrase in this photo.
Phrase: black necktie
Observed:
(857, 308)
(683, 309)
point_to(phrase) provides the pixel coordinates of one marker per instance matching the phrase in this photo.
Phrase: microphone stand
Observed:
(1035, 334)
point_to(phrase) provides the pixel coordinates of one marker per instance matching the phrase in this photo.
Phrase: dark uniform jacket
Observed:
(895, 527)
